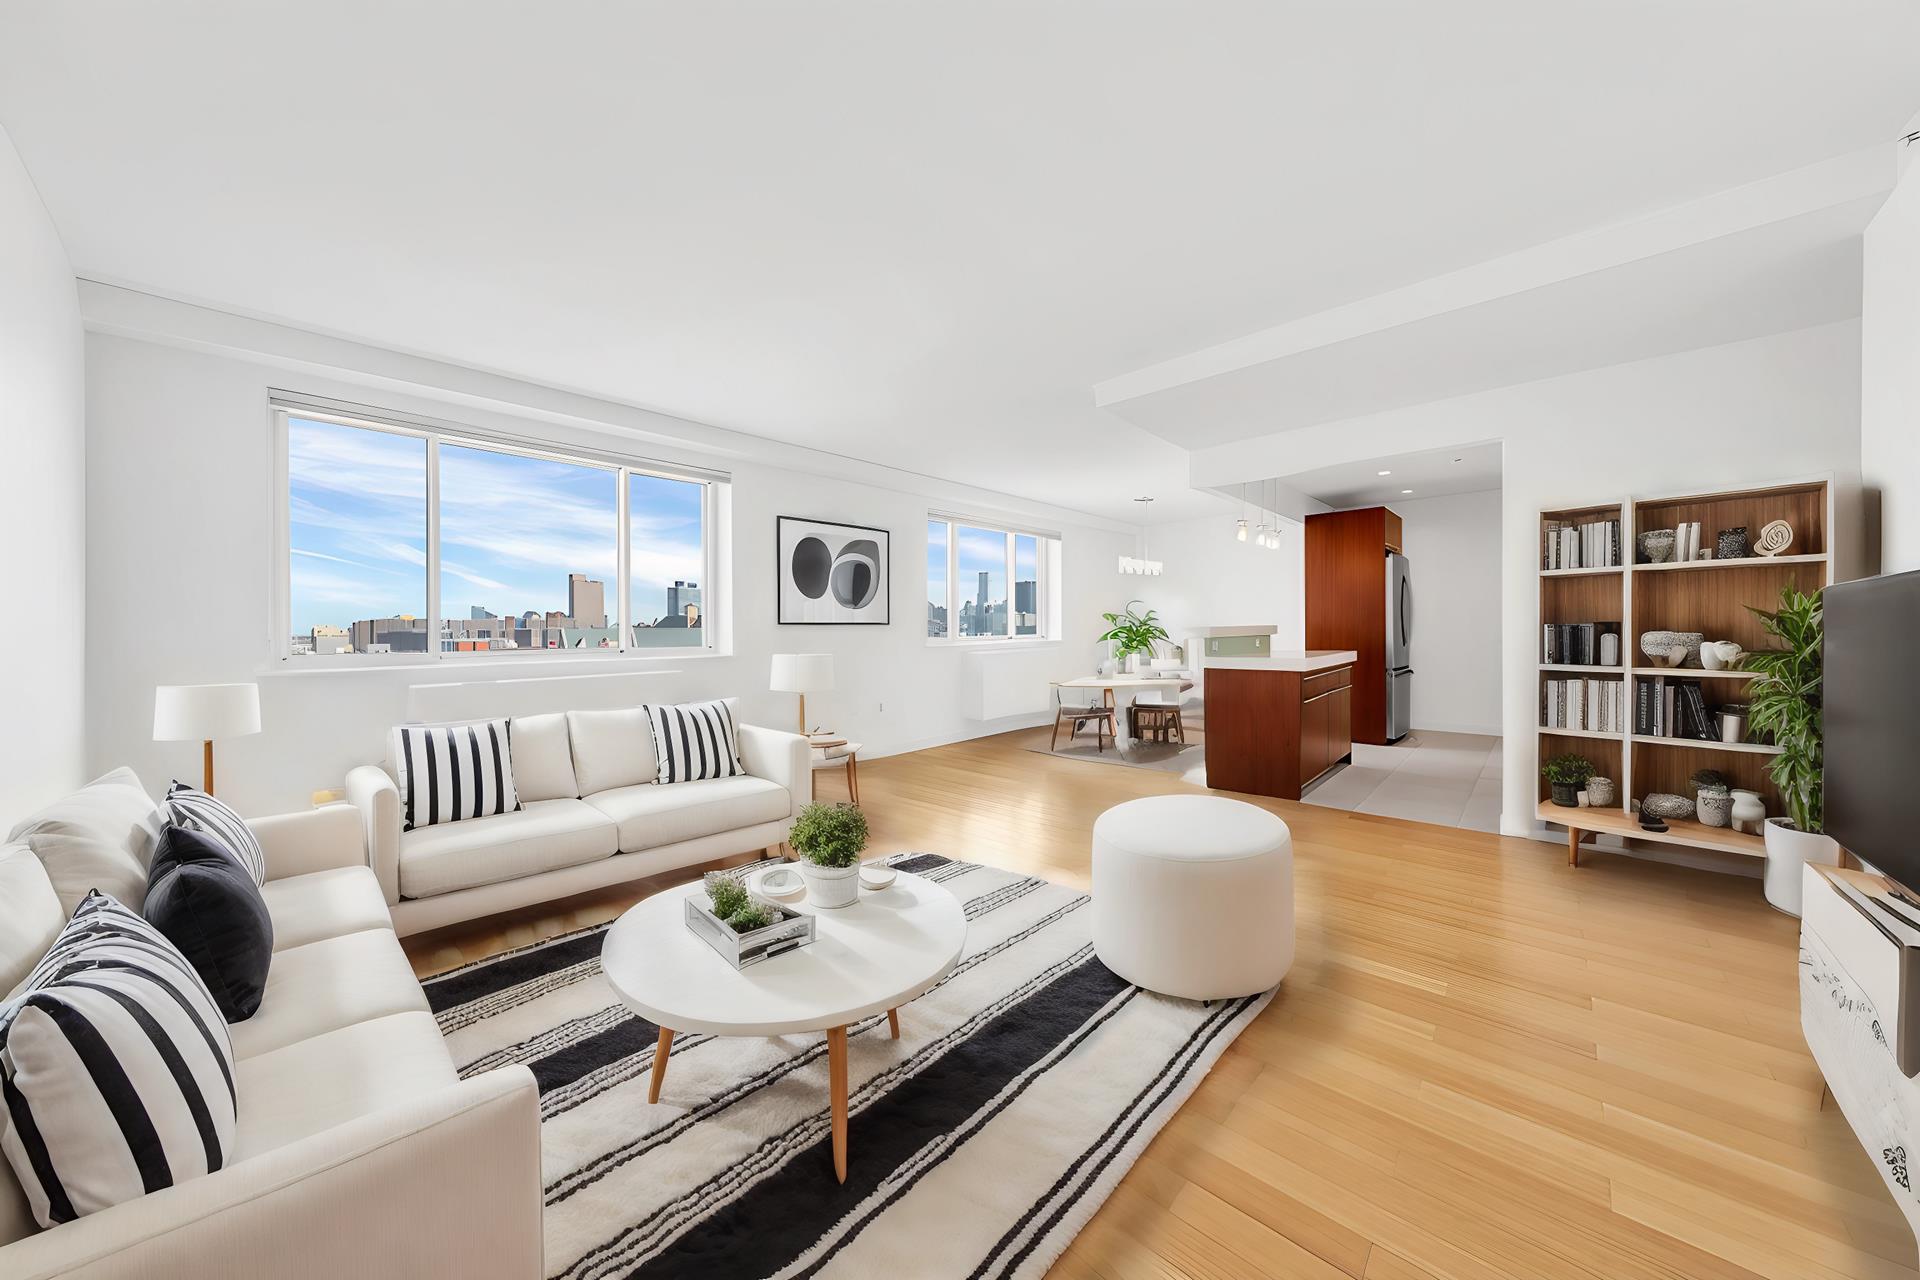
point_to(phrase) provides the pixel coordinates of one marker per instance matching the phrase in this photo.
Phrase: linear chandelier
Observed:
(1142, 566)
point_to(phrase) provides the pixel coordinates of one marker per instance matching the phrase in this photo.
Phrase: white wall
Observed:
(1453, 545)
(1212, 580)
(1774, 408)
(179, 487)
(42, 504)
(1890, 367)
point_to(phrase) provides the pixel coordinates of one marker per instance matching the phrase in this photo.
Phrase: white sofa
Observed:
(591, 816)
(359, 1150)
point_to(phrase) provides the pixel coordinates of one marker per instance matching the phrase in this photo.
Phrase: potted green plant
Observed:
(1133, 634)
(829, 839)
(1785, 703)
(1566, 774)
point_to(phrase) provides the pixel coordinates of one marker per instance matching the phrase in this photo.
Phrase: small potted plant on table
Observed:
(1567, 774)
(1133, 635)
(1786, 703)
(829, 839)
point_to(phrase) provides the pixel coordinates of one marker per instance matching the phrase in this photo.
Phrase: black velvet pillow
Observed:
(209, 907)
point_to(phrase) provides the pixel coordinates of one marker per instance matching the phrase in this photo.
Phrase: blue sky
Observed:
(511, 529)
(979, 549)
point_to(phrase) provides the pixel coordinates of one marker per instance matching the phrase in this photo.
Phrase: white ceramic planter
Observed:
(1788, 850)
(831, 886)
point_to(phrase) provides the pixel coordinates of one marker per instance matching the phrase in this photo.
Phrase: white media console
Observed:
(1860, 1012)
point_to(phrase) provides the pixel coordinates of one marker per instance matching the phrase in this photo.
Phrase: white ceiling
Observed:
(912, 233)
(1432, 473)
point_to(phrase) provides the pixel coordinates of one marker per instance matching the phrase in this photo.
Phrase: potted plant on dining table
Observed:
(1133, 635)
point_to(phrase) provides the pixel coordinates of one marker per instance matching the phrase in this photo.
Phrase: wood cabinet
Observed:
(1346, 603)
(1270, 733)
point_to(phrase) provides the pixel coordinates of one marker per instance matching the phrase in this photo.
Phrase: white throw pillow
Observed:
(696, 741)
(100, 837)
(117, 1068)
(611, 749)
(543, 758)
(30, 916)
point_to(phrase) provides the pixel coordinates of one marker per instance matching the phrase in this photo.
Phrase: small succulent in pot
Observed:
(729, 900)
(1566, 774)
(829, 839)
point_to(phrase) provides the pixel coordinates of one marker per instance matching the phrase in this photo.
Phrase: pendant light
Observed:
(1144, 566)
(1240, 527)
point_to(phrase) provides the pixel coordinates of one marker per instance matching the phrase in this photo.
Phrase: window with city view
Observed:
(969, 567)
(520, 562)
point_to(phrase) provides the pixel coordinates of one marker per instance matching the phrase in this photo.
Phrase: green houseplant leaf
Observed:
(1568, 770)
(830, 835)
(1785, 700)
(1132, 632)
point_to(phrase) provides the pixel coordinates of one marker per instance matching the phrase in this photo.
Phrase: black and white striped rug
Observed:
(980, 1142)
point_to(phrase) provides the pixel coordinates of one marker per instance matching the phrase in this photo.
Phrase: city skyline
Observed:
(512, 530)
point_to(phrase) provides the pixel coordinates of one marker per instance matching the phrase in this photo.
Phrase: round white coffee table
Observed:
(876, 955)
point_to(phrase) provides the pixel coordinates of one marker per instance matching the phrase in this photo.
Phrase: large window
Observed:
(410, 539)
(985, 583)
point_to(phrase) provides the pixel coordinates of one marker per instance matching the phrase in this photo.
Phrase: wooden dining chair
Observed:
(1100, 715)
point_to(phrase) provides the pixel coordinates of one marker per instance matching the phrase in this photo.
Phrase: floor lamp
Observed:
(802, 673)
(186, 712)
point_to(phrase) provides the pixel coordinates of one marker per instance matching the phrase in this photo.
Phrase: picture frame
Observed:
(827, 573)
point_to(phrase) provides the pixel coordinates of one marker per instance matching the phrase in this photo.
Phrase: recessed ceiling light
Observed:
(1406, 491)
(1383, 473)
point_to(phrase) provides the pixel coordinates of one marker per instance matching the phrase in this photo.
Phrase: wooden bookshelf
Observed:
(1711, 596)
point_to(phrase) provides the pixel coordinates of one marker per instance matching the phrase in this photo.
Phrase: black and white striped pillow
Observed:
(194, 809)
(116, 1070)
(695, 741)
(451, 772)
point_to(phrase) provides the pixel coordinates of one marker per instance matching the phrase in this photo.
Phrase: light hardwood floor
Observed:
(1483, 1064)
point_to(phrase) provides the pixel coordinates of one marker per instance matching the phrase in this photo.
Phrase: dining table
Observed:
(1131, 683)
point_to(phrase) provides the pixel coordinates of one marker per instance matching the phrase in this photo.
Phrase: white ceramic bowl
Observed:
(782, 884)
(876, 875)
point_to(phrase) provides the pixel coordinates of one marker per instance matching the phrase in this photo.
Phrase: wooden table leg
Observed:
(1573, 846)
(893, 1022)
(837, 1092)
(660, 1050)
(853, 780)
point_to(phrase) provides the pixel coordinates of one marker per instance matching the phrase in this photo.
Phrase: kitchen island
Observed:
(1275, 723)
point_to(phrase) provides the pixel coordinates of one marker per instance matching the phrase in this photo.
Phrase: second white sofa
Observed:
(591, 815)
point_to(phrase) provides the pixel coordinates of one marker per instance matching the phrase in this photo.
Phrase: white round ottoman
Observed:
(1193, 895)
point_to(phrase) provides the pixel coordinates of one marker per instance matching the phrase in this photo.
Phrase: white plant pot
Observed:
(1788, 850)
(831, 886)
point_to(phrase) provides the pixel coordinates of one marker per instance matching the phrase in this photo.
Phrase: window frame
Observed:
(435, 433)
(1046, 555)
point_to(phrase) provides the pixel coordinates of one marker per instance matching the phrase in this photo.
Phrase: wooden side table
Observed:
(822, 742)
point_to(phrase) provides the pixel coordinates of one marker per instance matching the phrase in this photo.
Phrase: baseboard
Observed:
(987, 729)
(1485, 731)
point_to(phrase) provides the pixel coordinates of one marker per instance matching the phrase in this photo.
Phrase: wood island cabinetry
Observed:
(1275, 724)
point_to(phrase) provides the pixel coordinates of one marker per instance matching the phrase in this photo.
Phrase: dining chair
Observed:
(1100, 714)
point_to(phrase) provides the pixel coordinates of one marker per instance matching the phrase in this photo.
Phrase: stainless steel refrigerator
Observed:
(1399, 673)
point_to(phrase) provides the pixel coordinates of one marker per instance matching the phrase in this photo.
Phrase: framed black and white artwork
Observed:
(833, 574)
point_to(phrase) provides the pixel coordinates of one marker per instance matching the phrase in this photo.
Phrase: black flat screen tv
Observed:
(1870, 682)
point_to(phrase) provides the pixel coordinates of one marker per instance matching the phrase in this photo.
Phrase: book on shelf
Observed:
(1592, 544)
(1580, 644)
(1592, 703)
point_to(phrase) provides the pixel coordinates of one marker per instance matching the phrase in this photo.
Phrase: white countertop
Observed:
(1301, 660)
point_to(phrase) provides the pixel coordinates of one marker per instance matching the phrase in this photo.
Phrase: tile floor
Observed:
(1450, 779)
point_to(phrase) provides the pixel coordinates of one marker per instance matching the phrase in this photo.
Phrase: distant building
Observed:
(477, 614)
(326, 639)
(1023, 596)
(587, 600)
(679, 596)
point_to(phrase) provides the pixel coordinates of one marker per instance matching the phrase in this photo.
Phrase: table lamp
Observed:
(802, 673)
(184, 712)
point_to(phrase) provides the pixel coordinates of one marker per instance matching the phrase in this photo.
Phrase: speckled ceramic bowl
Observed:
(1715, 806)
(1600, 793)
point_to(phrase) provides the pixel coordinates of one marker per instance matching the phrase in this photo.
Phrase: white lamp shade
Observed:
(201, 712)
(802, 672)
